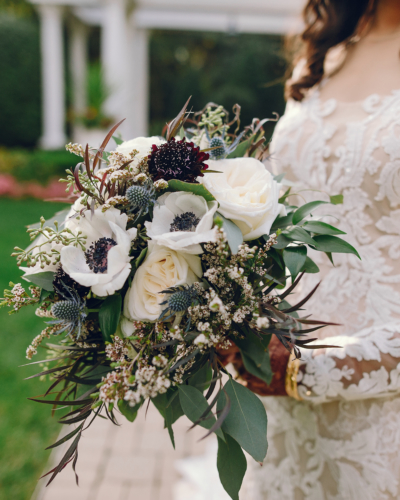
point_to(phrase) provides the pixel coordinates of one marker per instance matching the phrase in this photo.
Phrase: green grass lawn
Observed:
(26, 428)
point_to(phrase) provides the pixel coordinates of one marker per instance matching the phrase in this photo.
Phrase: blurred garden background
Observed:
(227, 68)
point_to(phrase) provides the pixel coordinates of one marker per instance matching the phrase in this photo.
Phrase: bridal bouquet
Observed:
(174, 249)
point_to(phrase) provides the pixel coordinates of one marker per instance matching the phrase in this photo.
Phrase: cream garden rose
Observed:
(161, 269)
(246, 192)
(141, 144)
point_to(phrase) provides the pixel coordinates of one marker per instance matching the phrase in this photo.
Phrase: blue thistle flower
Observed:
(222, 149)
(141, 197)
(70, 313)
(179, 300)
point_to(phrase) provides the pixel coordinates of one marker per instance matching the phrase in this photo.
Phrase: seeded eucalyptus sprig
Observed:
(36, 254)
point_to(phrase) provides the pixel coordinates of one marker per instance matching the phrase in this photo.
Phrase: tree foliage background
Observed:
(224, 68)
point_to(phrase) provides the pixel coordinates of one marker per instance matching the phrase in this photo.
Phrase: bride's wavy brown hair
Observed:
(327, 24)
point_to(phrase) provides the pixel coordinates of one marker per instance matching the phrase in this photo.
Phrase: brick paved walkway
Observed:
(131, 462)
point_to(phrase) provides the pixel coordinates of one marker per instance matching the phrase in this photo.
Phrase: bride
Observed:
(338, 436)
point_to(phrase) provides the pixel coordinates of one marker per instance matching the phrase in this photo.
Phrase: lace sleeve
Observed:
(365, 365)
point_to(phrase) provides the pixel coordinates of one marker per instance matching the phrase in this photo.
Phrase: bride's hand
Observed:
(279, 360)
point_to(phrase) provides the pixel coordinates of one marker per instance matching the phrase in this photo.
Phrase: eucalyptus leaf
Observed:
(198, 189)
(43, 280)
(171, 435)
(255, 355)
(247, 419)
(333, 244)
(194, 404)
(295, 258)
(302, 212)
(109, 314)
(232, 466)
(262, 372)
(233, 233)
(319, 227)
(169, 406)
(129, 412)
(201, 378)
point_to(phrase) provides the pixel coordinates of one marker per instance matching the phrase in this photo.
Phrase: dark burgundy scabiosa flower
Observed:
(177, 160)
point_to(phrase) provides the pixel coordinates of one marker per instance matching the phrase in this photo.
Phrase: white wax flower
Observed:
(161, 269)
(105, 266)
(182, 221)
(246, 192)
(141, 144)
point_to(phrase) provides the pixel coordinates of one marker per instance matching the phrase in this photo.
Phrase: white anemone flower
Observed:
(105, 265)
(182, 221)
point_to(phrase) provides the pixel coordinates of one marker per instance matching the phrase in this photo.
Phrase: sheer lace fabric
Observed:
(343, 441)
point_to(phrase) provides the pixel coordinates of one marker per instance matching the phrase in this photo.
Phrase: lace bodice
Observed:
(342, 442)
(351, 149)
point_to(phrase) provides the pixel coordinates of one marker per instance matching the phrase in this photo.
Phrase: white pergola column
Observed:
(53, 87)
(114, 57)
(138, 89)
(78, 65)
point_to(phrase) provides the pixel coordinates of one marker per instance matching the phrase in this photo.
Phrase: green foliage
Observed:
(296, 233)
(109, 315)
(302, 212)
(26, 428)
(40, 166)
(233, 233)
(295, 259)
(246, 421)
(20, 8)
(241, 149)
(97, 93)
(216, 67)
(20, 93)
(333, 244)
(197, 189)
(169, 406)
(194, 404)
(201, 379)
(232, 466)
(255, 355)
(130, 412)
(321, 228)
(44, 280)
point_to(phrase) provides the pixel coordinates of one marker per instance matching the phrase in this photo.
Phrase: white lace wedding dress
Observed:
(343, 441)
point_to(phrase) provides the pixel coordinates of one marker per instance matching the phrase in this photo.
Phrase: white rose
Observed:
(105, 266)
(161, 269)
(141, 144)
(182, 221)
(246, 192)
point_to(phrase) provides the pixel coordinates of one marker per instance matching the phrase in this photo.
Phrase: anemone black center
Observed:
(97, 255)
(185, 222)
